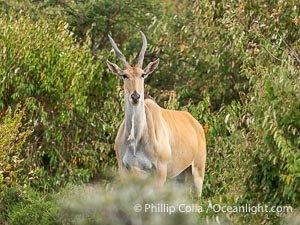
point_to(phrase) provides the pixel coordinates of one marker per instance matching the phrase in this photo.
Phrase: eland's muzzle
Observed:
(135, 97)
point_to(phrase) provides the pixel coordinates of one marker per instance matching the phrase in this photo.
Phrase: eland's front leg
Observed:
(162, 171)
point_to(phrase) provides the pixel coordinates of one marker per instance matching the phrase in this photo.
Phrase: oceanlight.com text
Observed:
(216, 208)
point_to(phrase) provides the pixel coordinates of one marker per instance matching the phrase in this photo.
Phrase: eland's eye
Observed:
(143, 75)
(124, 76)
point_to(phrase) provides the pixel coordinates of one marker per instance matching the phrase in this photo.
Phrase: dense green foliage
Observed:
(22, 206)
(13, 134)
(233, 64)
(71, 136)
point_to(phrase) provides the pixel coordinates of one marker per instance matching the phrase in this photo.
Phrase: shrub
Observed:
(13, 135)
(71, 103)
(273, 133)
(117, 204)
(21, 205)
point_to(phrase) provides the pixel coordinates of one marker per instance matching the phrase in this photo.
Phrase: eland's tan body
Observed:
(153, 140)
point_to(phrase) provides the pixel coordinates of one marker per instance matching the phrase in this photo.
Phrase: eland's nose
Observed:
(135, 97)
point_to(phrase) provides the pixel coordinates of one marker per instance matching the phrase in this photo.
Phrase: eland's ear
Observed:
(151, 67)
(114, 68)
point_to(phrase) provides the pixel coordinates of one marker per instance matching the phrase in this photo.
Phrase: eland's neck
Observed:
(135, 120)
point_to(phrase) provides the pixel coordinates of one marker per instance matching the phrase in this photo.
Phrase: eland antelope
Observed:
(152, 139)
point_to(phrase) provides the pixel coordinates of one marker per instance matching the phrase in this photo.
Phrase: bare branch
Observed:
(270, 53)
(292, 52)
